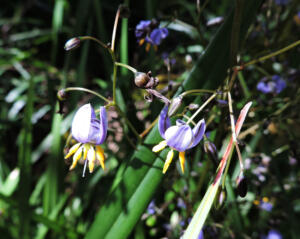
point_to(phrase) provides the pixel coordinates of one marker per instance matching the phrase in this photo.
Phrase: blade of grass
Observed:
(24, 159)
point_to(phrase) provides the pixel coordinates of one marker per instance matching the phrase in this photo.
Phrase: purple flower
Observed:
(275, 85)
(86, 128)
(90, 132)
(151, 208)
(201, 235)
(149, 31)
(267, 206)
(142, 28)
(179, 137)
(274, 234)
(157, 35)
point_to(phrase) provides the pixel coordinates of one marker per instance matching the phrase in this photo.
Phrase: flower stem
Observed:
(134, 71)
(83, 38)
(272, 54)
(201, 108)
(113, 38)
(128, 123)
(89, 91)
(196, 91)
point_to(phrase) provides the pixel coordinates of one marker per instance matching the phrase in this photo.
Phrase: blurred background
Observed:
(41, 198)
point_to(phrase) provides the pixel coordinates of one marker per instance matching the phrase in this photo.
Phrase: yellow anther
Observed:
(182, 160)
(160, 146)
(256, 202)
(91, 158)
(72, 150)
(265, 199)
(100, 156)
(76, 157)
(168, 160)
(86, 148)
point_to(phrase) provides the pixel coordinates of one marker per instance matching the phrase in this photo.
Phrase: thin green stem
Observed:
(201, 108)
(273, 54)
(83, 38)
(134, 71)
(197, 91)
(114, 81)
(89, 91)
(128, 123)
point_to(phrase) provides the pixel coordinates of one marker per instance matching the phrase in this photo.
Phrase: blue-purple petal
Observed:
(164, 121)
(81, 123)
(86, 128)
(179, 137)
(198, 132)
(158, 34)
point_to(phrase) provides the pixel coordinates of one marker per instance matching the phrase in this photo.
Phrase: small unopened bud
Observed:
(211, 150)
(220, 198)
(193, 106)
(62, 95)
(242, 185)
(73, 43)
(174, 106)
(141, 79)
(124, 11)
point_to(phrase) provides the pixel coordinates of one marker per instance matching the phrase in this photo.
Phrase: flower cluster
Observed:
(149, 31)
(90, 132)
(275, 85)
(179, 137)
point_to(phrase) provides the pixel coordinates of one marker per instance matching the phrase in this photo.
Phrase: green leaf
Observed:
(134, 188)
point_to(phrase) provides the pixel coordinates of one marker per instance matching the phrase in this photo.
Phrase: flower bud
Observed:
(62, 95)
(73, 43)
(193, 106)
(141, 79)
(211, 150)
(220, 199)
(174, 106)
(242, 185)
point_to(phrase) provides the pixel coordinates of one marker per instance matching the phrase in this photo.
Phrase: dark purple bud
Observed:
(242, 185)
(73, 43)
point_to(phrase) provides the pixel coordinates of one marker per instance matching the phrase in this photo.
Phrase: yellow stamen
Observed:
(160, 146)
(182, 160)
(141, 42)
(100, 156)
(148, 47)
(256, 202)
(91, 158)
(168, 160)
(72, 150)
(265, 199)
(86, 148)
(76, 157)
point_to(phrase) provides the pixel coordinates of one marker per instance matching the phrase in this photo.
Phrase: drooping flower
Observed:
(149, 31)
(273, 234)
(90, 132)
(179, 137)
(275, 85)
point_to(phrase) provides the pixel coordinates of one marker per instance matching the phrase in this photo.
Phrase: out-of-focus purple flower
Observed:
(274, 234)
(90, 132)
(149, 31)
(157, 35)
(275, 85)
(181, 203)
(281, 2)
(179, 137)
(201, 235)
(142, 28)
(151, 208)
(267, 206)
